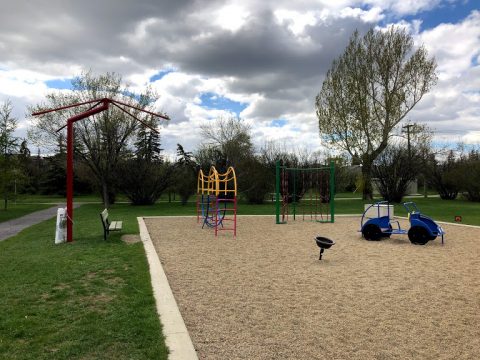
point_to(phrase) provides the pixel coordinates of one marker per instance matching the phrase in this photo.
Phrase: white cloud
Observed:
(453, 106)
(454, 45)
(296, 21)
(271, 55)
(231, 17)
(372, 15)
(25, 84)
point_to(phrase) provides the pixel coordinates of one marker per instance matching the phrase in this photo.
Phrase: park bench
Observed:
(107, 225)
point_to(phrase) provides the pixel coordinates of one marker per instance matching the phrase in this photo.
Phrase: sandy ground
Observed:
(265, 294)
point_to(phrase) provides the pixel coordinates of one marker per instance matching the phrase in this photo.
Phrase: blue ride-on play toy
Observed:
(422, 228)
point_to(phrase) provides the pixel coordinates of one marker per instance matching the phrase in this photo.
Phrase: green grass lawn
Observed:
(18, 210)
(93, 299)
(87, 300)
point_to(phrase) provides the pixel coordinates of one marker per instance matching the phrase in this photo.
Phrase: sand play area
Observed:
(265, 294)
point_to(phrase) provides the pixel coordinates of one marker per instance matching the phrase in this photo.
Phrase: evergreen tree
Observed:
(185, 174)
(148, 143)
(145, 176)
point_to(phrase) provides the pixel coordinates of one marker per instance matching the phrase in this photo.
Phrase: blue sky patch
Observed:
(211, 100)
(60, 84)
(161, 74)
(475, 59)
(278, 123)
(446, 12)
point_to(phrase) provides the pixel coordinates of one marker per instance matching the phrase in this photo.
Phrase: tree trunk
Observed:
(105, 197)
(5, 193)
(367, 180)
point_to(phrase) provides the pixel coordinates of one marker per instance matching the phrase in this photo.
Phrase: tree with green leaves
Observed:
(144, 176)
(9, 145)
(100, 140)
(369, 90)
(185, 175)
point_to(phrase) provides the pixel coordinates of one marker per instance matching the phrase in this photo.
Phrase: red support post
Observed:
(217, 205)
(70, 163)
(235, 216)
(69, 180)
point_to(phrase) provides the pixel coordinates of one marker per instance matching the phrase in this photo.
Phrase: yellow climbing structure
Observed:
(217, 200)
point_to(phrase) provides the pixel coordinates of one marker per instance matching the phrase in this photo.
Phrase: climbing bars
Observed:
(212, 191)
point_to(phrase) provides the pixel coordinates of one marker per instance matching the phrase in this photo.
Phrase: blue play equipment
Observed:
(422, 228)
(209, 207)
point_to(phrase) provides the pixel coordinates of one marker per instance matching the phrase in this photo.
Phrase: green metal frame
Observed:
(278, 169)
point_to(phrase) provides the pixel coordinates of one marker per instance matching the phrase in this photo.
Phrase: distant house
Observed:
(412, 188)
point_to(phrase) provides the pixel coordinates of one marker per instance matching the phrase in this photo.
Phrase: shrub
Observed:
(143, 182)
(255, 179)
(395, 168)
(443, 176)
(469, 176)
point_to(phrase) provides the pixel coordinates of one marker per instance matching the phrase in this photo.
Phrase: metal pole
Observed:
(408, 139)
(277, 192)
(332, 191)
(294, 199)
(69, 180)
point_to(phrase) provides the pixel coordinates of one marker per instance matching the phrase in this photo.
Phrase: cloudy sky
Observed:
(261, 61)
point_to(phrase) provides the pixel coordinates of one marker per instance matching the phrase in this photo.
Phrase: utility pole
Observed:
(408, 127)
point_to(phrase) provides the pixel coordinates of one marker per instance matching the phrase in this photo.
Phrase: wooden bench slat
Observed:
(115, 225)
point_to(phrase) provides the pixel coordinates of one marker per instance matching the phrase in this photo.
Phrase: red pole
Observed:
(69, 180)
(70, 163)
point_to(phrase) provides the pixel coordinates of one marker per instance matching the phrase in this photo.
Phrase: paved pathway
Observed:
(13, 227)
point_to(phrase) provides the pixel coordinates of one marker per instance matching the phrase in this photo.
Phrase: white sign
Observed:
(61, 228)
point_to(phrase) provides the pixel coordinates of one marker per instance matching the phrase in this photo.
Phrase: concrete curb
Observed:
(176, 334)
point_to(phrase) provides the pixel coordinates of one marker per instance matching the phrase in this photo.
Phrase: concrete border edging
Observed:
(176, 334)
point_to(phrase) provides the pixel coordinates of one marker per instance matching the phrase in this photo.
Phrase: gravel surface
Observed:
(265, 294)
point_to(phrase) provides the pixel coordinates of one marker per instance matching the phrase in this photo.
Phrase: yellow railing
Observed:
(217, 183)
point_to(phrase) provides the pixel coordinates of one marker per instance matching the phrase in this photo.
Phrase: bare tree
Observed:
(369, 90)
(231, 137)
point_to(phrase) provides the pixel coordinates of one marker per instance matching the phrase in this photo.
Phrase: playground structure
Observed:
(305, 192)
(422, 228)
(217, 200)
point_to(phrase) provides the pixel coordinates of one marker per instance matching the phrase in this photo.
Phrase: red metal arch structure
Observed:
(98, 106)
